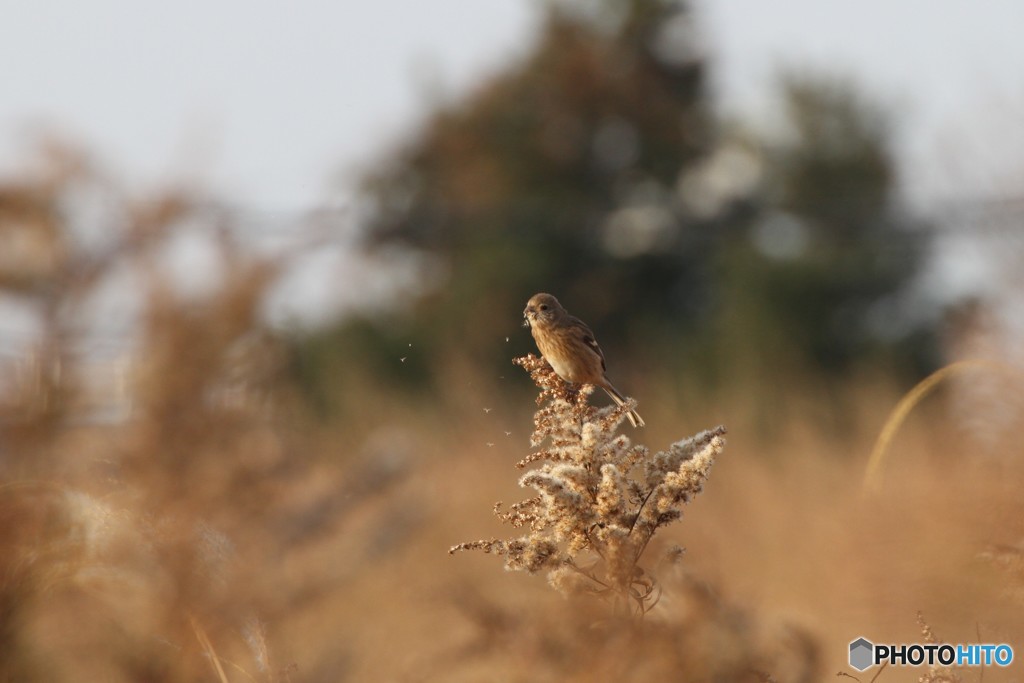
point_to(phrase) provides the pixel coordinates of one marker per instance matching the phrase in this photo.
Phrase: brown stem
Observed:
(643, 546)
(587, 574)
(593, 546)
(639, 510)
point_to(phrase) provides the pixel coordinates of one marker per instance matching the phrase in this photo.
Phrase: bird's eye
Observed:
(543, 307)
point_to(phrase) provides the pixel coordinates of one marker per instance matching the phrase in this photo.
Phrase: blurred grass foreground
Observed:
(193, 488)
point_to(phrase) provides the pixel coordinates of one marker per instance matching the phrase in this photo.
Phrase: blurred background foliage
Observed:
(171, 509)
(701, 249)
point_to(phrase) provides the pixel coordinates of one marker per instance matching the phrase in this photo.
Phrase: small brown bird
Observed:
(569, 346)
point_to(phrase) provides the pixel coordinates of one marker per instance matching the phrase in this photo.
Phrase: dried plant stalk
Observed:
(600, 499)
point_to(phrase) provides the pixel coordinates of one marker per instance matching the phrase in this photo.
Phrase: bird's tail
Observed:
(633, 416)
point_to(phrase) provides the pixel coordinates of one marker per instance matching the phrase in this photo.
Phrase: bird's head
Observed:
(541, 308)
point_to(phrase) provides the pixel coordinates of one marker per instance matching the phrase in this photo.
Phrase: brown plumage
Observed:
(569, 346)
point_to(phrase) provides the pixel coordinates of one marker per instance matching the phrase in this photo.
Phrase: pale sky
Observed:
(273, 103)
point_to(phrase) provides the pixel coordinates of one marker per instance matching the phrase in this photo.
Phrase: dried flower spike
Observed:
(599, 498)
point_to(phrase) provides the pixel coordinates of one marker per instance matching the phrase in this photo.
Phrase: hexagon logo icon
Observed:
(861, 651)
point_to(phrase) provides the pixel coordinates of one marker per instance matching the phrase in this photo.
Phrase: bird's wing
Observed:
(589, 340)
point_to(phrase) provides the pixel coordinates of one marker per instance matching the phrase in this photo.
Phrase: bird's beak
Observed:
(526, 316)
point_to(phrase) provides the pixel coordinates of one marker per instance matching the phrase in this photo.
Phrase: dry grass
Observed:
(216, 532)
